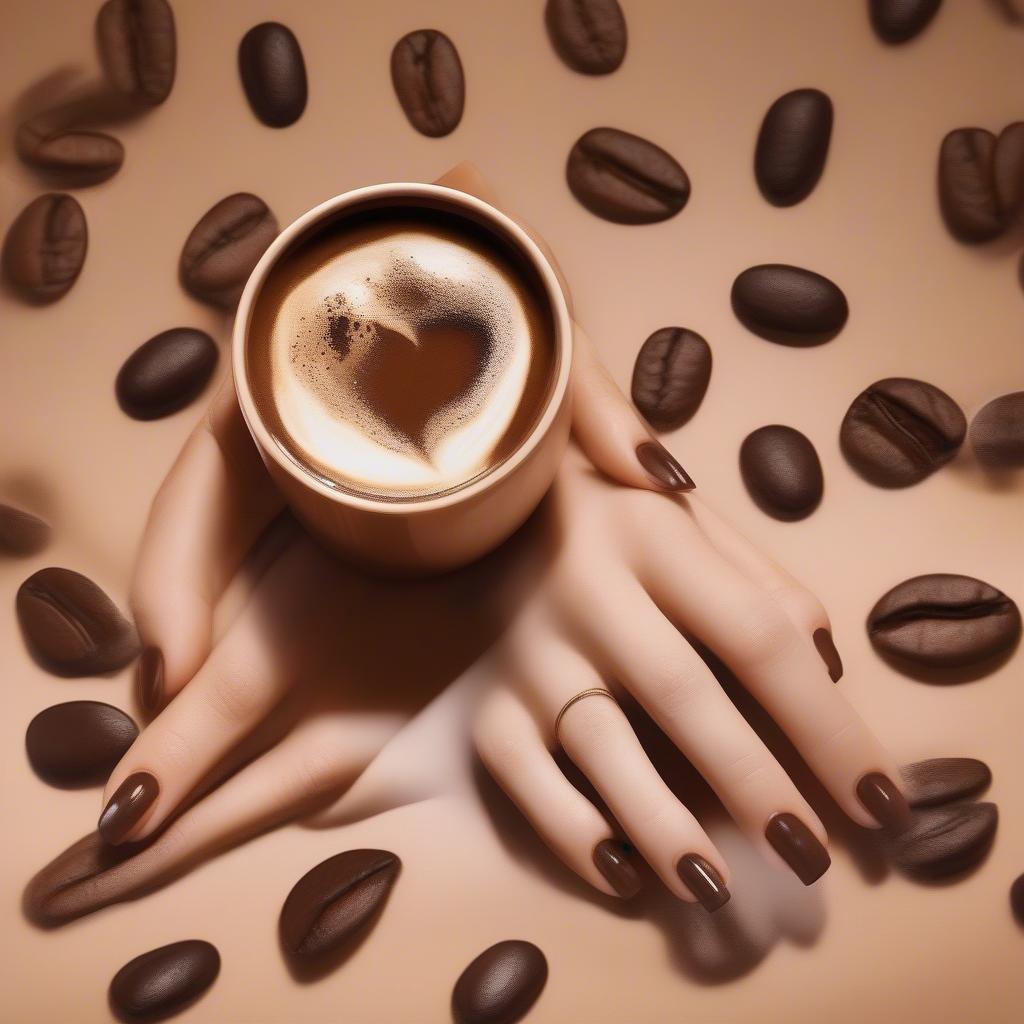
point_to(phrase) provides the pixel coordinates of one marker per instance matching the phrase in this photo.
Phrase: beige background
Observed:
(697, 80)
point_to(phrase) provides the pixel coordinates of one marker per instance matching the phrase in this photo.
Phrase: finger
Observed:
(210, 509)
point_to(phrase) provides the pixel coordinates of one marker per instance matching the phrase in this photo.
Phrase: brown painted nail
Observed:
(883, 800)
(798, 846)
(126, 807)
(613, 859)
(827, 649)
(663, 468)
(703, 881)
(149, 680)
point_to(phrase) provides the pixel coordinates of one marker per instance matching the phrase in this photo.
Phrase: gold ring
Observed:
(594, 691)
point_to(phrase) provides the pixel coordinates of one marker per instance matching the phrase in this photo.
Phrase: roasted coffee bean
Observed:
(967, 193)
(165, 373)
(44, 250)
(78, 743)
(21, 533)
(899, 431)
(138, 47)
(273, 74)
(789, 305)
(943, 841)
(944, 780)
(626, 179)
(336, 900)
(501, 984)
(70, 155)
(427, 75)
(1017, 899)
(164, 980)
(782, 472)
(792, 146)
(945, 621)
(224, 247)
(897, 21)
(671, 375)
(1008, 170)
(997, 432)
(71, 627)
(589, 35)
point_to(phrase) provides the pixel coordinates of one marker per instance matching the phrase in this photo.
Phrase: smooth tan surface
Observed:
(697, 79)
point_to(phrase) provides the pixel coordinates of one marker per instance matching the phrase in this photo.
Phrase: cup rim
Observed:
(270, 449)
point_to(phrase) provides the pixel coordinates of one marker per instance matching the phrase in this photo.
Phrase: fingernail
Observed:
(827, 649)
(149, 680)
(129, 803)
(613, 859)
(883, 800)
(703, 881)
(798, 846)
(663, 468)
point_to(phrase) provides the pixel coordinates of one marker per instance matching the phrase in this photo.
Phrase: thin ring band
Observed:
(594, 691)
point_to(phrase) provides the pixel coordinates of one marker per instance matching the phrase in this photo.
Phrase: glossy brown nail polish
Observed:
(613, 859)
(149, 680)
(703, 881)
(798, 846)
(126, 807)
(827, 649)
(883, 801)
(663, 468)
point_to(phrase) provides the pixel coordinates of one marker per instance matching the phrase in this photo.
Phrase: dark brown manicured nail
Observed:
(149, 680)
(703, 881)
(827, 649)
(883, 801)
(613, 859)
(798, 846)
(663, 468)
(129, 803)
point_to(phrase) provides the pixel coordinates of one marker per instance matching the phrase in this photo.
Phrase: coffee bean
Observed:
(44, 249)
(165, 373)
(792, 146)
(1012, 10)
(224, 247)
(943, 780)
(789, 305)
(335, 901)
(997, 432)
(138, 47)
(589, 35)
(782, 472)
(626, 179)
(1017, 899)
(944, 620)
(427, 75)
(967, 185)
(164, 980)
(501, 984)
(78, 743)
(899, 431)
(71, 627)
(72, 156)
(1008, 170)
(273, 74)
(21, 533)
(671, 376)
(897, 21)
(943, 841)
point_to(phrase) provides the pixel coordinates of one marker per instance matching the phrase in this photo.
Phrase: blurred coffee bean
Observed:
(138, 47)
(71, 627)
(792, 146)
(166, 373)
(943, 620)
(897, 21)
(997, 432)
(589, 35)
(78, 743)
(1017, 899)
(44, 250)
(273, 74)
(626, 179)
(224, 247)
(782, 472)
(943, 780)
(336, 900)
(671, 376)
(944, 841)
(789, 305)
(21, 533)
(967, 185)
(71, 156)
(1013, 10)
(1008, 170)
(899, 431)
(164, 980)
(427, 75)
(501, 984)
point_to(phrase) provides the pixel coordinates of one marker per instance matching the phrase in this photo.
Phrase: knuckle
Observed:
(800, 602)
(234, 694)
(764, 634)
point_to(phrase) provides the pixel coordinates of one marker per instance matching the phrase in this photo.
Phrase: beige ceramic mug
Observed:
(438, 532)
